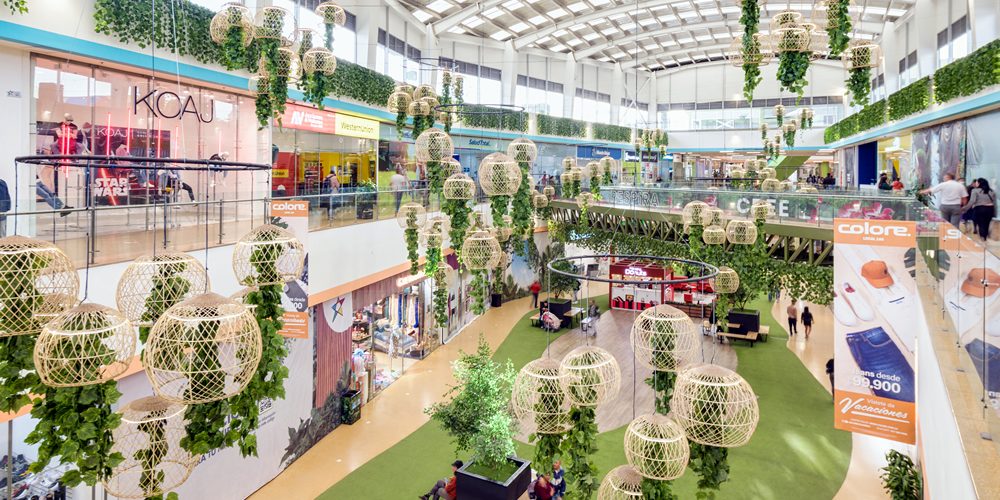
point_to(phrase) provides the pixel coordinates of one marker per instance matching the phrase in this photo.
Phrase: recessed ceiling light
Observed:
(702, 38)
(688, 14)
(710, 12)
(651, 46)
(560, 33)
(578, 7)
(684, 40)
(597, 3)
(648, 21)
(513, 5)
(668, 19)
(591, 36)
(578, 27)
(609, 31)
(557, 47)
(730, 9)
(473, 21)
(628, 26)
(574, 42)
(439, 6)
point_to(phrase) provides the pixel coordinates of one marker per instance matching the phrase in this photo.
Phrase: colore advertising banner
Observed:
(294, 215)
(877, 313)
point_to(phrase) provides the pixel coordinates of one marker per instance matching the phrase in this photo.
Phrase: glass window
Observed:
(554, 103)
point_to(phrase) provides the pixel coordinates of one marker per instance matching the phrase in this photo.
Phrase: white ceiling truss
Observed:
(649, 34)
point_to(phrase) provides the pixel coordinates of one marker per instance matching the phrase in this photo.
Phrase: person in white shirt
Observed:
(397, 183)
(951, 195)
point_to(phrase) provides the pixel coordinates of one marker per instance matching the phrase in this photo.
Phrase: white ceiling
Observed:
(651, 34)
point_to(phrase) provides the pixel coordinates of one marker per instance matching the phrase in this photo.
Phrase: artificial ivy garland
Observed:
(480, 289)
(859, 84)
(521, 207)
(458, 212)
(440, 297)
(412, 240)
(750, 19)
(792, 69)
(839, 25)
(579, 445)
(16, 6)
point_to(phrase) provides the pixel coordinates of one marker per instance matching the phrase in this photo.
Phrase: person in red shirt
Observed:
(544, 489)
(445, 489)
(535, 288)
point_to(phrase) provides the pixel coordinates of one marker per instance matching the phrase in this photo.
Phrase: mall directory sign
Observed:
(876, 316)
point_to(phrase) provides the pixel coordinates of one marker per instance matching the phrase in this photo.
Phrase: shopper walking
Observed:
(951, 195)
(829, 371)
(535, 288)
(557, 480)
(445, 488)
(883, 182)
(981, 206)
(793, 317)
(807, 321)
(397, 183)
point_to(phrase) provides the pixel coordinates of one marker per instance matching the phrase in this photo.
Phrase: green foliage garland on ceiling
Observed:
(859, 85)
(612, 133)
(838, 25)
(792, 69)
(750, 20)
(16, 6)
(562, 127)
(578, 446)
(968, 75)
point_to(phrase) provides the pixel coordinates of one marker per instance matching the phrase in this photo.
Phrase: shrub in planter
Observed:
(900, 477)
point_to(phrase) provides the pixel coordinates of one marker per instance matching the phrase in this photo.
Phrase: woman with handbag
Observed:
(981, 206)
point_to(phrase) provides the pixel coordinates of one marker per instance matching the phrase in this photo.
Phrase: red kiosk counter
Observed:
(694, 299)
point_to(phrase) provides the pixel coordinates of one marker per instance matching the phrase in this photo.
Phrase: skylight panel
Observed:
(543, 40)
(574, 42)
(537, 20)
(577, 27)
(628, 26)
(557, 13)
(617, 16)
(651, 46)
(609, 31)
(598, 3)
(421, 15)
(456, 30)
(710, 12)
(577, 7)
(439, 6)
(730, 9)
(513, 5)
(493, 13)
(473, 21)
(500, 35)
(668, 19)
(560, 33)
(618, 55)
(519, 27)
(605, 59)
(686, 39)
(648, 21)
(702, 38)
(590, 37)
(688, 14)
(558, 47)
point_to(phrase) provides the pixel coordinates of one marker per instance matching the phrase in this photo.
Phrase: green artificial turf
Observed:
(795, 453)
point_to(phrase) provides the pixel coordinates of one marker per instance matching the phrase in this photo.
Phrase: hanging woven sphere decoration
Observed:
(664, 338)
(549, 192)
(319, 60)
(204, 349)
(862, 54)
(737, 173)
(423, 91)
(240, 297)
(656, 447)
(273, 23)
(404, 88)
(434, 144)
(593, 170)
(153, 283)
(584, 200)
(268, 255)
(609, 164)
(621, 483)
(741, 232)
(450, 167)
(85, 345)
(808, 190)
(150, 427)
(539, 200)
(399, 102)
(332, 13)
(576, 174)
(714, 217)
(590, 376)
(459, 187)
(414, 211)
(761, 209)
(695, 213)
(715, 406)
(432, 235)
(522, 150)
(768, 173)
(286, 64)
(232, 15)
(499, 175)
(713, 235)
(786, 185)
(770, 185)
(432, 102)
(539, 400)
(566, 177)
(40, 283)
(481, 251)
(418, 108)
(568, 163)
(726, 281)
(791, 38)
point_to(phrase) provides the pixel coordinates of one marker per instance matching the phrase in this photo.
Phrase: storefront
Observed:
(641, 292)
(322, 151)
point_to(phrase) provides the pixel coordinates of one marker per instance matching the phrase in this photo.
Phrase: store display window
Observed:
(640, 292)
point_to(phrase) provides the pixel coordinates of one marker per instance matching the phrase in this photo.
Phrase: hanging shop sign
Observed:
(295, 215)
(167, 104)
(597, 152)
(647, 156)
(877, 322)
(306, 118)
(352, 126)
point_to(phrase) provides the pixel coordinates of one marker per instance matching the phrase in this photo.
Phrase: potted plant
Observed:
(901, 478)
(561, 285)
(478, 418)
(367, 195)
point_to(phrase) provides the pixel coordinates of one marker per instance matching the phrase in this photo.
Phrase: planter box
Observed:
(365, 209)
(474, 486)
(559, 307)
(748, 320)
(496, 300)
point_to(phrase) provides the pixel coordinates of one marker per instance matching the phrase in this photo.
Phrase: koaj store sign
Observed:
(167, 104)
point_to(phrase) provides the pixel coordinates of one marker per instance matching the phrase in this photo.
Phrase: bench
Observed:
(536, 320)
(750, 337)
(764, 330)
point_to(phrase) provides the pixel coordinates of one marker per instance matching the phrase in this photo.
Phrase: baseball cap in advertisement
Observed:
(981, 282)
(877, 273)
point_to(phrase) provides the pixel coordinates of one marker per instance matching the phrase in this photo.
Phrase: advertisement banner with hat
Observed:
(877, 314)
(294, 215)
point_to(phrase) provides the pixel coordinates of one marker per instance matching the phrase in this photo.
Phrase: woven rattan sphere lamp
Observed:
(539, 400)
(539, 200)
(434, 145)
(664, 338)
(656, 447)
(459, 187)
(768, 172)
(770, 185)
(727, 280)
(40, 283)
(262, 246)
(695, 213)
(761, 209)
(609, 164)
(332, 13)
(418, 108)
(715, 406)
(714, 217)
(584, 200)
(713, 235)
(232, 15)
(499, 175)
(411, 211)
(741, 232)
(549, 192)
(522, 150)
(592, 170)
(86, 345)
(568, 163)
(481, 251)
(590, 375)
(319, 60)
(621, 483)
(204, 349)
(150, 426)
(174, 276)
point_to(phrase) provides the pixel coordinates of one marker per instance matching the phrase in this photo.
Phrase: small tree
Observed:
(900, 478)
(561, 285)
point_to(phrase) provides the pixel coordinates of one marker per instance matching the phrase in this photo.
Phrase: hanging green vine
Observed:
(792, 69)
(17, 366)
(499, 205)
(480, 291)
(412, 240)
(150, 458)
(459, 89)
(400, 123)
(579, 447)
(521, 209)
(750, 20)
(445, 98)
(838, 25)
(16, 6)
(233, 52)
(458, 213)
(859, 85)
(17, 371)
(440, 297)
(206, 423)
(789, 138)
(435, 177)
(169, 288)
(712, 466)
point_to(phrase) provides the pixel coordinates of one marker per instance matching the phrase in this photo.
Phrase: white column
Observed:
(618, 90)
(893, 48)
(508, 74)
(367, 40)
(430, 49)
(985, 22)
(569, 85)
(654, 98)
(925, 24)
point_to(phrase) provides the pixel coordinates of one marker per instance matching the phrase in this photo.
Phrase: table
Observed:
(764, 330)
(574, 312)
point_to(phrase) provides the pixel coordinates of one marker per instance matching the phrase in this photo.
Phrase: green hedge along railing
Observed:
(474, 115)
(964, 77)
(612, 133)
(563, 127)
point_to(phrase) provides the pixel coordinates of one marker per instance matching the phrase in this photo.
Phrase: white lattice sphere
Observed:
(621, 483)
(405, 88)
(584, 200)
(656, 447)
(609, 164)
(432, 235)
(286, 64)
(741, 232)
(432, 102)
(418, 108)
(713, 235)
(88, 344)
(481, 251)
(522, 150)
(459, 187)
(568, 163)
(715, 217)
(695, 213)
(268, 255)
(549, 192)
(152, 284)
(590, 376)
(450, 167)
(761, 209)
(786, 185)
(434, 145)
(232, 15)
(398, 102)
(738, 173)
(770, 185)
(715, 406)
(539, 400)
(727, 280)
(862, 54)
(204, 349)
(566, 178)
(150, 426)
(332, 13)
(240, 296)
(40, 282)
(768, 173)
(259, 85)
(791, 38)
(273, 23)
(422, 91)
(664, 338)
(411, 215)
(499, 175)
(576, 174)
(539, 200)
(319, 60)
(592, 170)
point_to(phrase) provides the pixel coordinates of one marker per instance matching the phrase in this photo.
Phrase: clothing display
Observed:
(886, 370)
(986, 358)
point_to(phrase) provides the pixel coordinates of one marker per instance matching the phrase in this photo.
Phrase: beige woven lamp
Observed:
(695, 213)
(738, 173)
(713, 235)
(240, 296)
(761, 209)
(522, 150)
(273, 23)
(423, 91)
(808, 190)
(664, 338)
(398, 102)
(259, 85)
(231, 15)
(715, 217)
(459, 187)
(656, 447)
(741, 232)
(319, 60)
(715, 406)
(590, 376)
(86, 345)
(621, 483)
(786, 185)
(549, 192)
(450, 167)
(566, 177)
(204, 349)
(409, 211)
(609, 164)
(592, 170)
(418, 108)
(768, 173)
(568, 163)
(539, 400)
(770, 185)
(41, 282)
(150, 427)
(862, 54)
(584, 200)
(576, 174)
(263, 245)
(174, 276)
(499, 175)
(539, 200)
(432, 103)
(726, 281)
(481, 251)
(332, 13)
